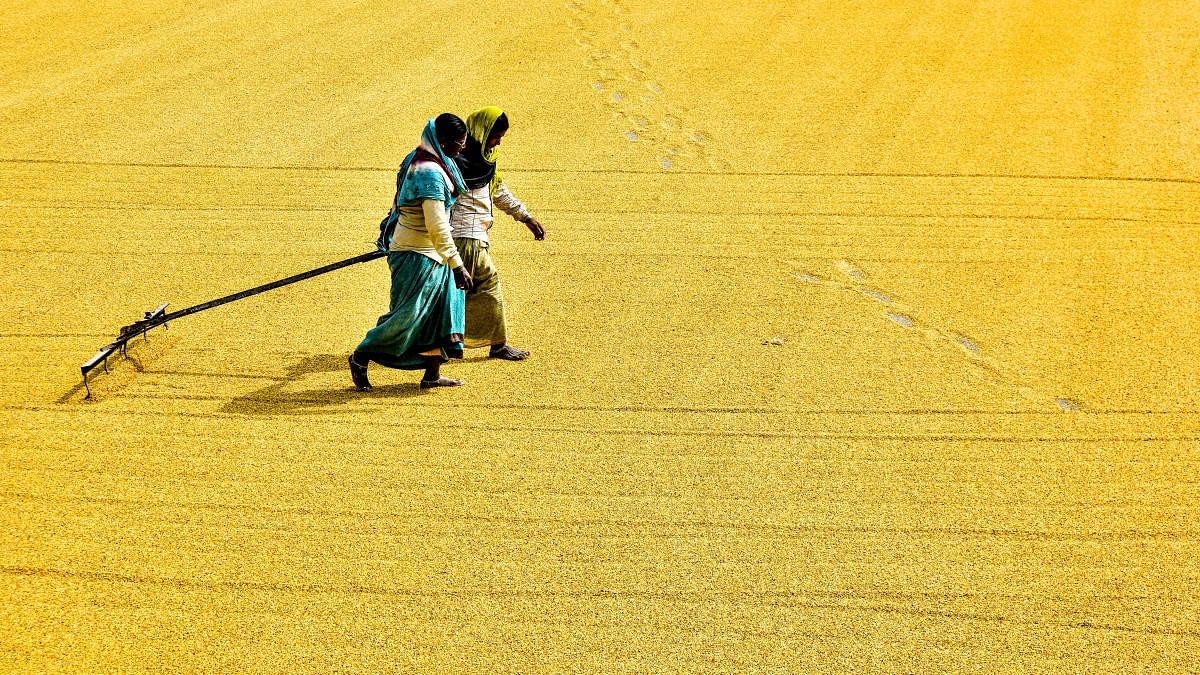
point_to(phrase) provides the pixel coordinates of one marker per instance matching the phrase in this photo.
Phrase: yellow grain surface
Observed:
(865, 336)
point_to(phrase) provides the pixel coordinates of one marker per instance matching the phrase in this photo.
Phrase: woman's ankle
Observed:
(433, 370)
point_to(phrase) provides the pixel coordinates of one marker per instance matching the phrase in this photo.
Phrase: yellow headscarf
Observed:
(479, 126)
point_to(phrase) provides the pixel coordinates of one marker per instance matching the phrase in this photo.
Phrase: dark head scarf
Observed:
(477, 166)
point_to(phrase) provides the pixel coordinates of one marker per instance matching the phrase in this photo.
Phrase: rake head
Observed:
(152, 319)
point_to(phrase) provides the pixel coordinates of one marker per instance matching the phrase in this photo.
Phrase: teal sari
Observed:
(427, 312)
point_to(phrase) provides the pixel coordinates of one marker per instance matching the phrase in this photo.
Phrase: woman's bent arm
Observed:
(437, 224)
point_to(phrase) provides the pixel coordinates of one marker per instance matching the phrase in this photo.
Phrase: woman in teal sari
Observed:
(425, 322)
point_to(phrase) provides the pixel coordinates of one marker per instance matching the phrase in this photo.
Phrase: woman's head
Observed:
(498, 128)
(451, 133)
(486, 127)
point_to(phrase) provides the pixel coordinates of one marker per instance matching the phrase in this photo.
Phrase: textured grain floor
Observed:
(865, 336)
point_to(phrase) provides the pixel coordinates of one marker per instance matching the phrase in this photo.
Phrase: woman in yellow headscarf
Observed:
(471, 219)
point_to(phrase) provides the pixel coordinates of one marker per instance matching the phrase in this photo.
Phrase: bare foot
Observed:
(508, 353)
(441, 382)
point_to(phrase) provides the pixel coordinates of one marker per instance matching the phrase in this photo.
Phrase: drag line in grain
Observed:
(673, 528)
(751, 598)
(943, 438)
(601, 171)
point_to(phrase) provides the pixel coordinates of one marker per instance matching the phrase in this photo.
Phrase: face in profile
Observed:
(494, 139)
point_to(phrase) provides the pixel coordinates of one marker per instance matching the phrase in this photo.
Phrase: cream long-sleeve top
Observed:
(472, 216)
(425, 229)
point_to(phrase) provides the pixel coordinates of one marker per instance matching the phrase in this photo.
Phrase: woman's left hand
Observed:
(539, 232)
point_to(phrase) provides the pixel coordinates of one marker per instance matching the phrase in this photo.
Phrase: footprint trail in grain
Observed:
(857, 281)
(639, 103)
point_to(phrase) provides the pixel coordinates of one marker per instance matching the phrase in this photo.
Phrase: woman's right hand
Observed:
(462, 279)
(539, 232)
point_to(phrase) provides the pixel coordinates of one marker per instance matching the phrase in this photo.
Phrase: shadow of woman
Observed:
(281, 399)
